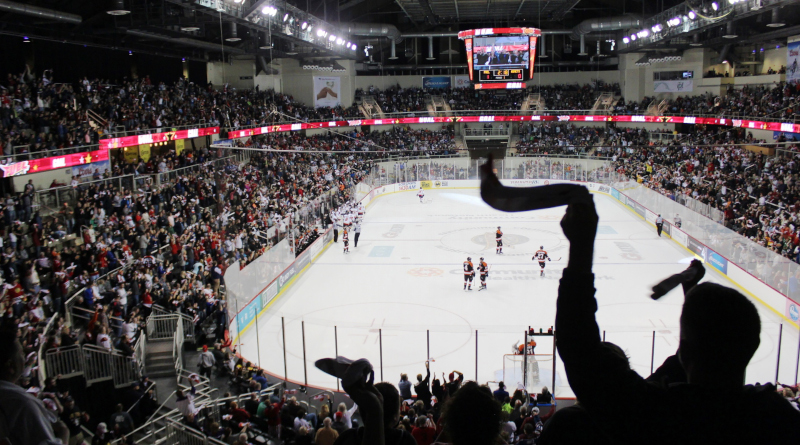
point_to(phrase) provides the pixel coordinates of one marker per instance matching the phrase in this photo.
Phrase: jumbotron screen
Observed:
(500, 58)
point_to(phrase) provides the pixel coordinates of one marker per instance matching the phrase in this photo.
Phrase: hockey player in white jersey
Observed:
(421, 194)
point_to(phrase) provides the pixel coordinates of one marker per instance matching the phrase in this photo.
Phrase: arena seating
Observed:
(167, 242)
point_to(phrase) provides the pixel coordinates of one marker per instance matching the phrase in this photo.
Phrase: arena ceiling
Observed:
(207, 29)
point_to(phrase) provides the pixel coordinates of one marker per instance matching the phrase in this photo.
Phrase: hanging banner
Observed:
(461, 82)
(179, 146)
(793, 63)
(144, 152)
(327, 91)
(673, 86)
(436, 82)
(87, 172)
(131, 154)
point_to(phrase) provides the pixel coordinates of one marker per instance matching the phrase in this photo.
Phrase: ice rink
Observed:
(402, 286)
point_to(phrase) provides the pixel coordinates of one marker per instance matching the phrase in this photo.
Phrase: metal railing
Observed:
(54, 197)
(489, 131)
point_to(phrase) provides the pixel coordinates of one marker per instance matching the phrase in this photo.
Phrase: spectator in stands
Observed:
(424, 431)
(405, 387)
(422, 388)
(185, 402)
(472, 416)
(206, 362)
(327, 435)
(347, 414)
(29, 422)
(102, 436)
(500, 393)
(454, 383)
(121, 422)
(380, 410)
(74, 418)
(714, 350)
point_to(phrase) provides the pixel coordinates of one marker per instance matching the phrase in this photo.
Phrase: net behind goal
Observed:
(539, 367)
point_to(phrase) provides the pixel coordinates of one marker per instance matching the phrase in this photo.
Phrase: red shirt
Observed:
(424, 436)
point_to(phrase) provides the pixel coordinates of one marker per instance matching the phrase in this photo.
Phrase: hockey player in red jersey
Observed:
(483, 268)
(346, 240)
(498, 237)
(469, 274)
(540, 256)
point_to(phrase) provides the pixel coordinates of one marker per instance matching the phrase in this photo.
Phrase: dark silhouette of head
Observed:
(472, 416)
(720, 331)
(391, 404)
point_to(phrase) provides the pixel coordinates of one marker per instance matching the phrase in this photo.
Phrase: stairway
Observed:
(158, 361)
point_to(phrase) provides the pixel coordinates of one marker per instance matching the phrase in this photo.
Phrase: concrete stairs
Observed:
(158, 361)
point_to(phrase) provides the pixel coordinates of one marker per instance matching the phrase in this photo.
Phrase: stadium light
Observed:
(25, 39)
(339, 41)
(321, 33)
(643, 33)
(633, 37)
(715, 6)
(117, 7)
(286, 17)
(626, 40)
(656, 28)
(673, 22)
(692, 15)
(331, 38)
(269, 10)
(304, 25)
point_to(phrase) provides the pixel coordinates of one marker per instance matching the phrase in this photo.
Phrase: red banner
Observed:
(500, 86)
(130, 141)
(55, 162)
(774, 126)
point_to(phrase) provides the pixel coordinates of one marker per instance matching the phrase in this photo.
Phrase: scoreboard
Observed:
(500, 57)
(500, 75)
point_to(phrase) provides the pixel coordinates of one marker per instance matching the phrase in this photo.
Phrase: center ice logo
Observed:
(425, 272)
(487, 240)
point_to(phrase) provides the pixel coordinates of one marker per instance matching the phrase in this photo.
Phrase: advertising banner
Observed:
(716, 260)
(180, 144)
(793, 62)
(52, 163)
(785, 127)
(248, 314)
(327, 91)
(679, 236)
(667, 228)
(792, 311)
(697, 247)
(436, 82)
(86, 172)
(130, 141)
(461, 82)
(639, 209)
(673, 86)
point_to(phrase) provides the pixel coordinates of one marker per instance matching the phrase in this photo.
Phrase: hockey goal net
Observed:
(539, 375)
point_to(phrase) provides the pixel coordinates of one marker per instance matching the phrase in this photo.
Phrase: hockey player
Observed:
(483, 268)
(346, 240)
(337, 224)
(540, 256)
(348, 220)
(498, 237)
(421, 194)
(357, 231)
(360, 211)
(469, 273)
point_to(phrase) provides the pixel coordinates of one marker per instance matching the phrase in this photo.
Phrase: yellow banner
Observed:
(179, 146)
(144, 152)
(131, 154)
(425, 184)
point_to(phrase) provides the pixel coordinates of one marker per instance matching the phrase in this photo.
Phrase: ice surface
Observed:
(403, 284)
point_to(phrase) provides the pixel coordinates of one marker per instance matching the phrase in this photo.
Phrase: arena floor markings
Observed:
(403, 285)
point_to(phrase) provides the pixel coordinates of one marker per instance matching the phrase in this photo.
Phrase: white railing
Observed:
(161, 327)
(66, 362)
(177, 345)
